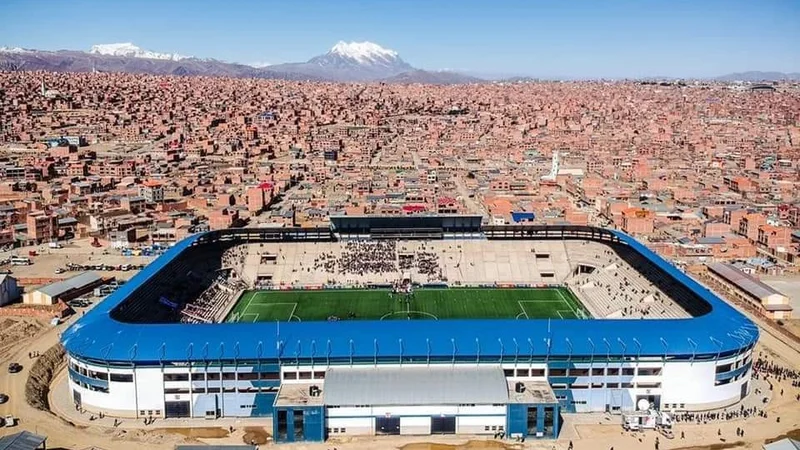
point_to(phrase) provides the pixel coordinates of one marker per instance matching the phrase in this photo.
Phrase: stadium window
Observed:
(649, 371)
(558, 385)
(578, 372)
(290, 375)
(628, 371)
(547, 275)
(627, 385)
(213, 390)
(580, 386)
(247, 376)
(598, 372)
(198, 376)
(683, 405)
(122, 377)
(724, 368)
(542, 256)
(176, 377)
(558, 372)
(141, 413)
(648, 385)
(486, 428)
(176, 390)
(214, 376)
(523, 372)
(722, 382)
(98, 375)
(537, 372)
(199, 390)
(612, 385)
(319, 375)
(494, 427)
(270, 376)
(304, 375)
(500, 428)
(228, 389)
(612, 371)
(508, 372)
(597, 385)
(229, 376)
(343, 430)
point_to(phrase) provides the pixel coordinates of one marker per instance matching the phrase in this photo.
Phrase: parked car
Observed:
(10, 421)
(14, 367)
(3, 398)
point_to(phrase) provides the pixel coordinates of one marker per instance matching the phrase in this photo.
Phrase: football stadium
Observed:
(408, 325)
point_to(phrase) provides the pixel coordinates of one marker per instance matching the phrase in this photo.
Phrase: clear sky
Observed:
(571, 38)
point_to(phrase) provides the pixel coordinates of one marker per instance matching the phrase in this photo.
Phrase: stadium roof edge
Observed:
(97, 336)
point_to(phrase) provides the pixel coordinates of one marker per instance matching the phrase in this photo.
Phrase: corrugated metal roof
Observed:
(743, 281)
(415, 386)
(76, 282)
(24, 440)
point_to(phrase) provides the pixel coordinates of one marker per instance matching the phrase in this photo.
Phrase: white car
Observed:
(59, 270)
(10, 421)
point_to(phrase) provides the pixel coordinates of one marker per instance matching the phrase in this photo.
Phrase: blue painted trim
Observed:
(87, 380)
(98, 337)
(733, 373)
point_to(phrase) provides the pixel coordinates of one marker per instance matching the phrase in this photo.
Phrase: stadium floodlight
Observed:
(162, 352)
(428, 349)
(453, 342)
(375, 354)
(638, 349)
(694, 348)
(608, 350)
(351, 353)
(400, 341)
(478, 351)
(189, 350)
(719, 345)
(313, 351)
(591, 356)
(133, 350)
(516, 351)
(502, 349)
(297, 352)
(530, 357)
(328, 351)
(666, 348)
(569, 344)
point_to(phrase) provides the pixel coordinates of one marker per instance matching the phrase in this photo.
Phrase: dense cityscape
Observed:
(561, 226)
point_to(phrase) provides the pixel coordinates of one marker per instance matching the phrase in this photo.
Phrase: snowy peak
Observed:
(13, 50)
(129, 50)
(364, 52)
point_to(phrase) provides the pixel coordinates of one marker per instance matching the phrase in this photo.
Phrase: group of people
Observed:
(724, 416)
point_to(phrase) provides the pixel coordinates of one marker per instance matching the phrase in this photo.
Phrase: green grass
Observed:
(378, 304)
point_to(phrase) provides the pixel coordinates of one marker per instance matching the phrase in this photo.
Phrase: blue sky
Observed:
(574, 38)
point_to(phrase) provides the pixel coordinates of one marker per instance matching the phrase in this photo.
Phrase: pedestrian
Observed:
(683, 435)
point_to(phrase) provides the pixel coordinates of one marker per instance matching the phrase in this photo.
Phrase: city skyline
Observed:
(575, 40)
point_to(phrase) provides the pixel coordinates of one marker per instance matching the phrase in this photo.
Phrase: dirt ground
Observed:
(20, 336)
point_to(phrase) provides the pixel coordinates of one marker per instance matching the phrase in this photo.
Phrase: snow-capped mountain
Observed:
(364, 52)
(345, 61)
(13, 50)
(132, 51)
(351, 61)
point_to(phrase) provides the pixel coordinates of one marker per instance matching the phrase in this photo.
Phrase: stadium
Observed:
(408, 325)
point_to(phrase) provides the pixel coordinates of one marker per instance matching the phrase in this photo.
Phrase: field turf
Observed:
(377, 304)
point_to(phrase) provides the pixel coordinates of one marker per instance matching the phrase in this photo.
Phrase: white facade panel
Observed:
(415, 425)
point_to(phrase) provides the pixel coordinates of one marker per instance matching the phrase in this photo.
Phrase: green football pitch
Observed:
(379, 304)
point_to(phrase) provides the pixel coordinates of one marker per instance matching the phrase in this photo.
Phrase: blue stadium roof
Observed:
(98, 336)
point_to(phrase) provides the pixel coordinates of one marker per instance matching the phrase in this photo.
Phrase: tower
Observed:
(553, 168)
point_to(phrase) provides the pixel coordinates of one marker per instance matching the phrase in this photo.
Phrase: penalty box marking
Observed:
(267, 305)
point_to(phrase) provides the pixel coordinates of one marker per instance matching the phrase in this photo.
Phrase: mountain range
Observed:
(344, 62)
